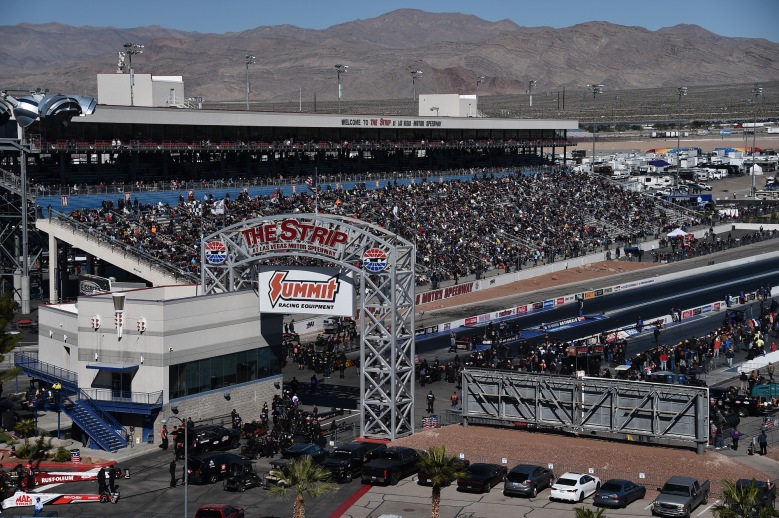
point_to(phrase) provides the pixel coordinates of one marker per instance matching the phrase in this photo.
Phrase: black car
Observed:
(482, 477)
(215, 437)
(345, 462)
(209, 467)
(240, 477)
(766, 493)
(425, 480)
(618, 493)
(527, 480)
(296, 451)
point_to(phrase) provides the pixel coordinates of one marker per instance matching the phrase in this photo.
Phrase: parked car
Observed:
(346, 461)
(241, 477)
(618, 493)
(766, 492)
(215, 437)
(482, 477)
(390, 465)
(296, 451)
(316, 452)
(527, 480)
(219, 511)
(574, 487)
(680, 496)
(423, 477)
(209, 467)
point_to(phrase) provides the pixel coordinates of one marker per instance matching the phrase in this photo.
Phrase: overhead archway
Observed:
(381, 265)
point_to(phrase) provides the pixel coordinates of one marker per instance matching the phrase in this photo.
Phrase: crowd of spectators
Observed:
(459, 227)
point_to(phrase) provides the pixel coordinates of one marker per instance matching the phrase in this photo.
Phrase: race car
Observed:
(23, 499)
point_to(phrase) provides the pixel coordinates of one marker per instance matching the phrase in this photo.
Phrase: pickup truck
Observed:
(680, 496)
(346, 461)
(729, 399)
(390, 465)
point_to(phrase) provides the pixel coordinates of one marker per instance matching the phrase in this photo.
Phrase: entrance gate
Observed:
(383, 266)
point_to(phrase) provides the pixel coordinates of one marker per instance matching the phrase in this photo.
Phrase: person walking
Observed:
(762, 441)
(101, 478)
(657, 335)
(735, 435)
(173, 473)
(770, 370)
(164, 437)
(455, 399)
(453, 342)
(430, 401)
(112, 479)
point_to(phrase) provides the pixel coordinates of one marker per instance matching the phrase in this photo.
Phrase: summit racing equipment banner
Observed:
(22, 499)
(318, 291)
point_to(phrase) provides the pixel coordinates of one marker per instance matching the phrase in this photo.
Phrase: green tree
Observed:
(25, 428)
(303, 477)
(741, 502)
(442, 470)
(586, 512)
(7, 341)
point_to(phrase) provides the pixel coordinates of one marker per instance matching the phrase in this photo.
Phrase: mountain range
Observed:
(450, 49)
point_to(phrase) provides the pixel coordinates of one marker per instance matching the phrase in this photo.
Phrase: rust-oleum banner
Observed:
(316, 291)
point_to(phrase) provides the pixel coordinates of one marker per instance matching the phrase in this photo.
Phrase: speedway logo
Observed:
(321, 291)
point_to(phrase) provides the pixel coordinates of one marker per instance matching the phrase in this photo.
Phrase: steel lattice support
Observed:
(385, 307)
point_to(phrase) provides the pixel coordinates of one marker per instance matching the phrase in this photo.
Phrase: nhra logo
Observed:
(374, 260)
(282, 289)
(90, 288)
(23, 500)
(216, 252)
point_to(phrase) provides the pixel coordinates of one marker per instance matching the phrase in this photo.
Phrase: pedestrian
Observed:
(770, 370)
(112, 479)
(314, 382)
(657, 335)
(640, 324)
(164, 437)
(762, 441)
(101, 479)
(453, 342)
(38, 506)
(430, 401)
(719, 441)
(735, 435)
(342, 367)
(744, 379)
(455, 399)
(173, 473)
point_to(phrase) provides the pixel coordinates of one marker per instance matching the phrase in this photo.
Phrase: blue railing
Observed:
(124, 396)
(105, 416)
(67, 378)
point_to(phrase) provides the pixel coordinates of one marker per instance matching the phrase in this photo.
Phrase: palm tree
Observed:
(25, 427)
(442, 470)
(586, 512)
(303, 476)
(741, 502)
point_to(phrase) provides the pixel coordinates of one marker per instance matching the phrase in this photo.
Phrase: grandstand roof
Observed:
(179, 116)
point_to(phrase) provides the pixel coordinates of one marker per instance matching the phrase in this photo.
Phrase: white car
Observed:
(574, 487)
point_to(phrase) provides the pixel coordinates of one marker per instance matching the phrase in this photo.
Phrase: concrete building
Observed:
(124, 358)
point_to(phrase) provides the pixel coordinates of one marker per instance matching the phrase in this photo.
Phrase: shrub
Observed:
(62, 455)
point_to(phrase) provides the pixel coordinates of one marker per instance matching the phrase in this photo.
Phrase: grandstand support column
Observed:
(25, 280)
(53, 258)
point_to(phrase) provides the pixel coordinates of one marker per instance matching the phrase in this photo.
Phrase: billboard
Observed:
(315, 291)
(92, 284)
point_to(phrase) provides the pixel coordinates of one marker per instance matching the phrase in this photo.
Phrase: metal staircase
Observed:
(99, 425)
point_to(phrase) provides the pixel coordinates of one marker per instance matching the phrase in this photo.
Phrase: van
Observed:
(620, 175)
(210, 467)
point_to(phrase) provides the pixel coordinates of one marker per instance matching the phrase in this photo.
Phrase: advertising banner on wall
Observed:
(317, 291)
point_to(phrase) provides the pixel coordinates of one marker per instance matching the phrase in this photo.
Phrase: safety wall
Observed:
(623, 409)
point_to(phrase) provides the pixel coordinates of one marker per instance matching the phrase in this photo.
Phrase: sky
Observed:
(734, 18)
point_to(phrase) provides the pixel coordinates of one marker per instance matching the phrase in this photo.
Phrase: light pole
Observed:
(596, 89)
(479, 80)
(682, 91)
(530, 86)
(415, 74)
(340, 69)
(129, 50)
(46, 108)
(249, 60)
(757, 91)
(165, 420)
(435, 109)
